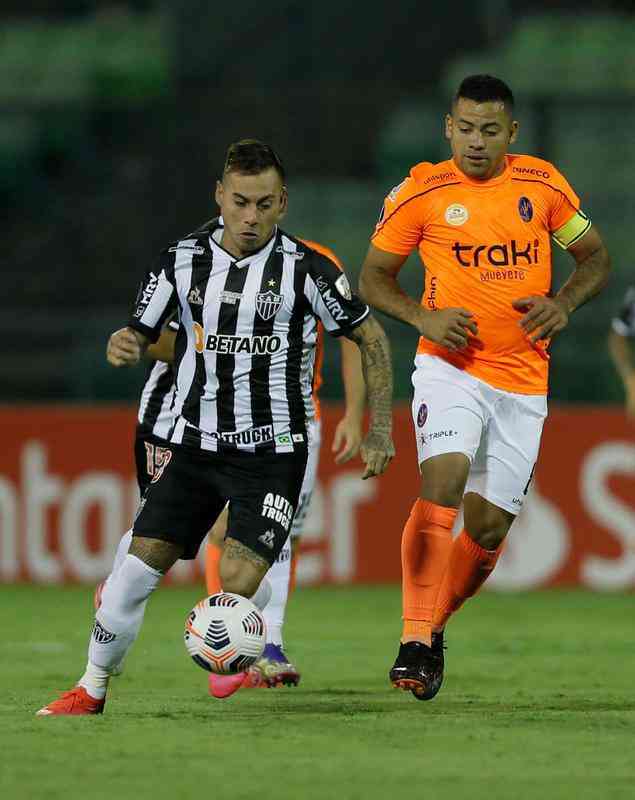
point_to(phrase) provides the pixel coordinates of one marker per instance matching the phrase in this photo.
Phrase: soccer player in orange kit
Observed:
(482, 222)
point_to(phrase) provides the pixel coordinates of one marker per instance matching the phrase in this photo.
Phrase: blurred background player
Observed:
(274, 668)
(248, 297)
(482, 223)
(620, 344)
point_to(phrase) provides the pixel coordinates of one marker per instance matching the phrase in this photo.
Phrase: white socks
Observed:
(262, 595)
(278, 576)
(122, 550)
(118, 620)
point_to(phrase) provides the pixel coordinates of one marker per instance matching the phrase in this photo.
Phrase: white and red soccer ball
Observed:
(225, 633)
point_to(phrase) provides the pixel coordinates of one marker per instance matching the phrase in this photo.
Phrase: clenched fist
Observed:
(123, 348)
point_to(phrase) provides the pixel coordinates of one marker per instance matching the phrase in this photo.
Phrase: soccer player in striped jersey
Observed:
(621, 338)
(249, 297)
(482, 222)
(156, 417)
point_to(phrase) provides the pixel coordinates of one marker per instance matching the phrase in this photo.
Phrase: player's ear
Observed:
(513, 134)
(448, 126)
(218, 194)
(284, 201)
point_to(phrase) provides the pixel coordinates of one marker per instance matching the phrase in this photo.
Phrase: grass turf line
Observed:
(538, 699)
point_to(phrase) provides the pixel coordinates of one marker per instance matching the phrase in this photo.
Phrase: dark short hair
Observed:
(484, 88)
(251, 157)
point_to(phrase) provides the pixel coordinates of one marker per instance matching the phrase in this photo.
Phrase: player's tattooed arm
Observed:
(377, 448)
(546, 316)
(126, 347)
(453, 328)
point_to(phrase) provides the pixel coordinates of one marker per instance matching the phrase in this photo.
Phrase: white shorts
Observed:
(314, 430)
(499, 431)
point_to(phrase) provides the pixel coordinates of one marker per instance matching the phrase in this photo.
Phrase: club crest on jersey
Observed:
(422, 415)
(268, 304)
(525, 209)
(456, 214)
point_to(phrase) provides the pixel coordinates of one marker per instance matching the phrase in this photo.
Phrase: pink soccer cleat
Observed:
(225, 685)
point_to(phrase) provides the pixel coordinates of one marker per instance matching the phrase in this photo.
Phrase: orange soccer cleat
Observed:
(75, 702)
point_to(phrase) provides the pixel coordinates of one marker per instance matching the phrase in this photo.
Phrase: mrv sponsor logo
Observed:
(330, 301)
(145, 294)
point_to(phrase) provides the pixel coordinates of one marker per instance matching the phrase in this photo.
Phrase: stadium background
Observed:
(115, 119)
(115, 122)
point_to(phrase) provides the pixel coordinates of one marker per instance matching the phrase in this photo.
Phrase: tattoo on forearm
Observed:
(589, 277)
(377, 370)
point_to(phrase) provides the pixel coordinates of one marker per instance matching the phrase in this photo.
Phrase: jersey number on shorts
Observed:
(157, 459)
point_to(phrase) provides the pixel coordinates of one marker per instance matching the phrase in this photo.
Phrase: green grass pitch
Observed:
(537, 703)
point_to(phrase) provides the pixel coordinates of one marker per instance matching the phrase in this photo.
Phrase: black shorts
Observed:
(189, 489)
(147, 456)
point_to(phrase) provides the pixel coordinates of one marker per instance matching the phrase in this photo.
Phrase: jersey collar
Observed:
(504, 176)
(263, 252)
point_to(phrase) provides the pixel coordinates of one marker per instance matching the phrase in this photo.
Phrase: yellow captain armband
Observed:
(572, 230)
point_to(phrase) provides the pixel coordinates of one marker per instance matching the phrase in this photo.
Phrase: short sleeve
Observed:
(400, 226)
(156, 299)
(564, 202)
(331, 298)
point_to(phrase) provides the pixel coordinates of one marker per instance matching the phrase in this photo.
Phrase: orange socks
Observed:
(294, 570)
(212, 576)
(469, 566)
(425, 549)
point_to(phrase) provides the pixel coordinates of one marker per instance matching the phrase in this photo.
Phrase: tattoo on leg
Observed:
(236, 550)
(156, 553)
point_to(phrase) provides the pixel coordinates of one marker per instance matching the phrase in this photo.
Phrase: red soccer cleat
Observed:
(75, 702)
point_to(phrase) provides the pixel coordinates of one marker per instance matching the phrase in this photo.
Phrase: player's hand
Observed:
(453, 328)
(123, 348)
(543, 316)
(347, 440)
(377, 451)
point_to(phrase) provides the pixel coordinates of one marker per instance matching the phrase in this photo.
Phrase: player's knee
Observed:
(443, 479)
(447, 492)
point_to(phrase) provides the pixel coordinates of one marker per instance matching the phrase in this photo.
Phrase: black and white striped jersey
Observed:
(245, 347)
(624, 323)
(156, 415)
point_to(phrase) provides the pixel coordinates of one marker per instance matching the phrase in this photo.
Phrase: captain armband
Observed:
(572, 230)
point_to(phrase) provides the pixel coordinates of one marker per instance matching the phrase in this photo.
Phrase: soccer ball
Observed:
(225, 633)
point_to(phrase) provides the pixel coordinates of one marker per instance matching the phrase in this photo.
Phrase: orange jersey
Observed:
(319, 345)
(483, 245)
